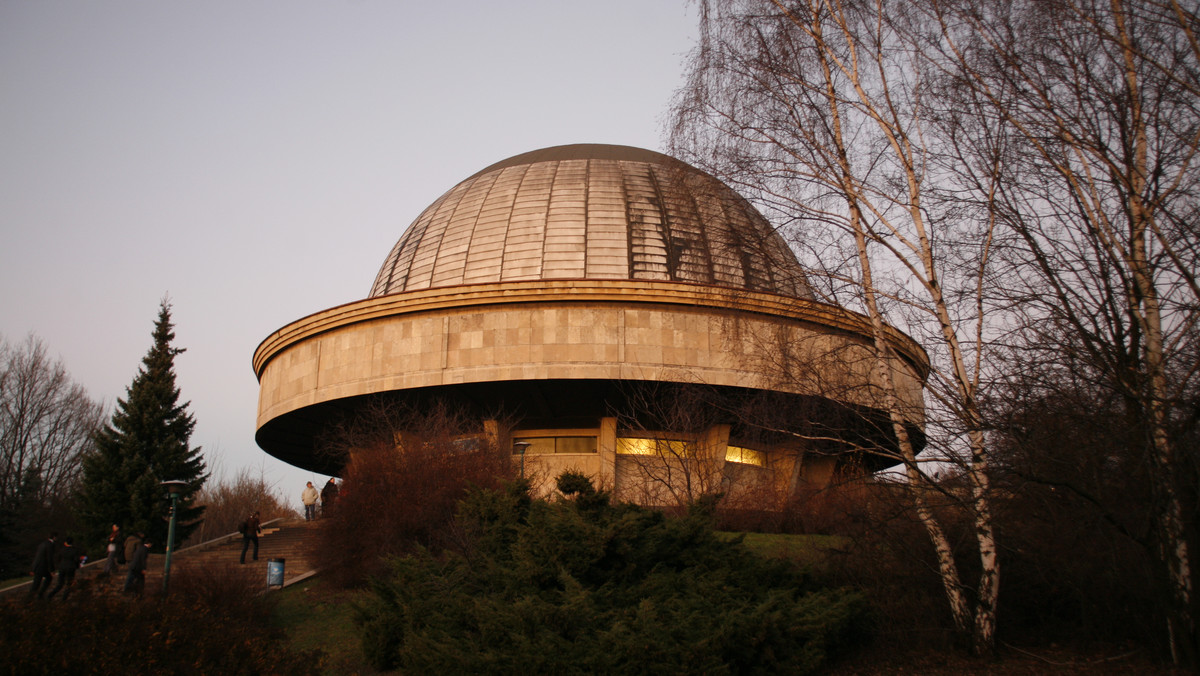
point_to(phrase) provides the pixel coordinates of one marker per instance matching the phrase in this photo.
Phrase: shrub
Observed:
(229, 589)
(885, 552)
(397, 496)
(188, 633)
(559, 588)
(1068, 574)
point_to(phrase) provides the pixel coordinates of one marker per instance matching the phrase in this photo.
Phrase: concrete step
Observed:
(218, 558)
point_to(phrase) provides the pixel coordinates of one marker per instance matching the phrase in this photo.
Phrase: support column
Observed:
(817, 470)
(606, 447)
(491, 433)
(715, 445)
(795, 471)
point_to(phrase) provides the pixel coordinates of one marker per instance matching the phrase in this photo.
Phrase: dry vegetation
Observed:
(228, 501)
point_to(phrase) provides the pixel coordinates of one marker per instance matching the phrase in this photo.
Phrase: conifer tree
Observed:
(145, 443)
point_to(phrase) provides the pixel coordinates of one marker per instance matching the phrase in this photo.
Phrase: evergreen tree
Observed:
(145, 443)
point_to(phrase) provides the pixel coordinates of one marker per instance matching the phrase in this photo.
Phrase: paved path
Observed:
(287, 540)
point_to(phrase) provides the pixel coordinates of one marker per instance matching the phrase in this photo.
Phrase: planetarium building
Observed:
(607, 309)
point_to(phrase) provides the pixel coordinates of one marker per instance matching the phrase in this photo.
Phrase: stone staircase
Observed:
(287, 540)
(217, 558)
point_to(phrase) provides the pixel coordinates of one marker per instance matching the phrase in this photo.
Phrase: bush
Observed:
(562, 588)
(1067, 574)
(883, 550)
(188, 633)
(395, 498)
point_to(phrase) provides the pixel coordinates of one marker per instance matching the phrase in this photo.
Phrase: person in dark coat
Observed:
(43, 566)
(66, 562)
(250, 528)
(131, 545)
(135, 579)
(329, 496)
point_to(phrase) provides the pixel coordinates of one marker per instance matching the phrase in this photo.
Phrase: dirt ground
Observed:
(1011, 661)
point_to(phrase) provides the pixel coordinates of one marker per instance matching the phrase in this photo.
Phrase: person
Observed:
(309, 498)
(250, 529)
(66, 562)
(115, 552)
(43, 566)
(329, 495)
(135, 579)
(132, 543)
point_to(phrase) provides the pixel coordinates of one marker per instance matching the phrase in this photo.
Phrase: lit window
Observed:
(664, 447)
(746, 456)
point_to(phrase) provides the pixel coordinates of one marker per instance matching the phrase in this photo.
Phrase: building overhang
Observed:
(480, 337)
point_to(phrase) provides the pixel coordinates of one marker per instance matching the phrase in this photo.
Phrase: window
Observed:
(680, 448)
(644, 446)
(549, 445)
(746, 456)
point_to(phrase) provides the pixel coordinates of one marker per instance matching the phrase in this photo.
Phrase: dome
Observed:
(596, 212)
(567, 298)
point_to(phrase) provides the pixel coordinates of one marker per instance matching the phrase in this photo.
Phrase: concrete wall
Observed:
(620, 330)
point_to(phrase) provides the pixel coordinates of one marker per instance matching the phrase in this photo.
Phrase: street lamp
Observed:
(174, 488)
(519, 447)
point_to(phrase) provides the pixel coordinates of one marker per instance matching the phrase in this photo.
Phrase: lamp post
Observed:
(520, 447)
(174, 488)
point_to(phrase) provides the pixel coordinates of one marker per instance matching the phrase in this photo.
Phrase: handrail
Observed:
(93, 565)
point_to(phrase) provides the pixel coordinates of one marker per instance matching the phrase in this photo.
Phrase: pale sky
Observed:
(256, 161)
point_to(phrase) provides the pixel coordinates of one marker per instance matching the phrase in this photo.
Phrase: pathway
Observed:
(281, 539)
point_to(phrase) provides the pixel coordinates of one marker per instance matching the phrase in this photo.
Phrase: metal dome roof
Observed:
(591, 212)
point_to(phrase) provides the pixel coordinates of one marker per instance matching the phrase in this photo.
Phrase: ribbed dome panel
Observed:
(591, 212)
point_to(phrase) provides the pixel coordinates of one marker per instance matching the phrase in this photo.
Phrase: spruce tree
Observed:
(145, 443)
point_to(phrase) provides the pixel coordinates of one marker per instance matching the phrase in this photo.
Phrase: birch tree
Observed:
(1097, 104)
(997, 178)
(817, 109)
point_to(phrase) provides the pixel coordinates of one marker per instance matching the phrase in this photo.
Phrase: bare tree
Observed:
(817, 109)
(227, 502)
(668, 452)
(1098, 106)
(46, 423)
(963, 167)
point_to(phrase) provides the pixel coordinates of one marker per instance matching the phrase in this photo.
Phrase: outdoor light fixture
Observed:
(174, 488)
(519, 447)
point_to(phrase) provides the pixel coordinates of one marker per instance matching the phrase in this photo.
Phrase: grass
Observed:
(804, 550)
(12, 582)
(317, 617)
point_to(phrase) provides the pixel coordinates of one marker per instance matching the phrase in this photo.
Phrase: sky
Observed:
(255, 162)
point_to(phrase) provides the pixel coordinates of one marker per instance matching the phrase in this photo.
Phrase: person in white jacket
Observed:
(309, 498)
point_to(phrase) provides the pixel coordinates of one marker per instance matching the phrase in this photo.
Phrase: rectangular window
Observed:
(549, 445)
(664, 447)
(747, 456)
(575, 445)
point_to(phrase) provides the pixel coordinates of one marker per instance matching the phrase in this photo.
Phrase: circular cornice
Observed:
(625, 292)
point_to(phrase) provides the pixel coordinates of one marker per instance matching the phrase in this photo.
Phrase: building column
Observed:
(715, 445)
(491, 434)
(606, 447)
(816, 471)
